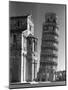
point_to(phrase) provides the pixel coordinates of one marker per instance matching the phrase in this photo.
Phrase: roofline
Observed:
(18, 17)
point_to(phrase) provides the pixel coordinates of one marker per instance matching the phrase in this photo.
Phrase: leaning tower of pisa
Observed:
(48, 55)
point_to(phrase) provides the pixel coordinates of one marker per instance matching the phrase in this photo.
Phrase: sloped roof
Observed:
(18, 17)
(32, 36)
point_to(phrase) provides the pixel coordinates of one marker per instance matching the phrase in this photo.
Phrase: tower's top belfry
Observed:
(50, 17)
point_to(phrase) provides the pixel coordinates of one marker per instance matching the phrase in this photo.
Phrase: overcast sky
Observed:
(38, 14)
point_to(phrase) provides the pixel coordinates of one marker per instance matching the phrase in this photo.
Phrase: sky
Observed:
(38, 12)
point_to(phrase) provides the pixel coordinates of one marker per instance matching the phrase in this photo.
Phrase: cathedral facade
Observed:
(23, 49)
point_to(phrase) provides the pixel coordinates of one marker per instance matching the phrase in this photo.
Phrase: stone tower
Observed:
(48, 56)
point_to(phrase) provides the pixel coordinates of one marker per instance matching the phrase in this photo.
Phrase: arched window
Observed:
(14, 38)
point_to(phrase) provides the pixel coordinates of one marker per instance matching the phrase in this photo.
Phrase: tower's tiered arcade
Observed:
(48, 56)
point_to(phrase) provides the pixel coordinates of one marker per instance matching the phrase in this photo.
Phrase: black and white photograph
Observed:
(37, 44)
